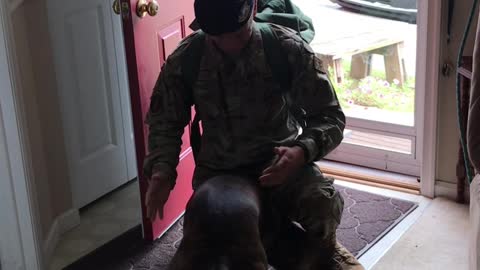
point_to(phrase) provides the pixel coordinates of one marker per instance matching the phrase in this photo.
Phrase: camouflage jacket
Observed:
(244, 115)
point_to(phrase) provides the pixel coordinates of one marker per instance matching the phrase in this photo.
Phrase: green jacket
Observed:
(243, 115)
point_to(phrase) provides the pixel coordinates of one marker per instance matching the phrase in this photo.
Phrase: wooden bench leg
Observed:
(335, 65)
(338, 63)
(394, 63)
(404, 66)
(361, 66)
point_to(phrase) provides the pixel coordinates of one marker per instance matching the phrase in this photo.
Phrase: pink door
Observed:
(148, 42)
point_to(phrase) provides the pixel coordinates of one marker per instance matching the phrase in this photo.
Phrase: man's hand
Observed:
(157, 195)
(289, 161)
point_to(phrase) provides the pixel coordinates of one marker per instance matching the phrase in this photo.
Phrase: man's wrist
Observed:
(301, 153)
(304, 150)
(160, 174)
(161, 179)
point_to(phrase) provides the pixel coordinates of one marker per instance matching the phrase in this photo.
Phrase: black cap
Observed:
(217, 17)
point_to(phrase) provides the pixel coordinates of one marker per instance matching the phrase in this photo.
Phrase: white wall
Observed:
(18, 239)
(448, 134)
(42, 111)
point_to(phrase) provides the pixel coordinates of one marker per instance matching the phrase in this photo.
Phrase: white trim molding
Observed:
(61, 225)
(427, 99)
(446, 189)
(19, 223)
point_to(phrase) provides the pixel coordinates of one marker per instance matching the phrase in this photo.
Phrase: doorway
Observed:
(370, 53)
(427, 153)
(93, 90)
(91, 69)
(95, 46)
(103, 111)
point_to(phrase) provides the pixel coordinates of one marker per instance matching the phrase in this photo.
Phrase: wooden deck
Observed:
(341, 34)
(388, 143)
(361, 45)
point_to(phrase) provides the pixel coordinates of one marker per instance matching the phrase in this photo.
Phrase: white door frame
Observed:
(19, 242)
(427, 101)
(18, 196)
(421, 161)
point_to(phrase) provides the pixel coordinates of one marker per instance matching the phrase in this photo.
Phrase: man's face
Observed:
(237, 39)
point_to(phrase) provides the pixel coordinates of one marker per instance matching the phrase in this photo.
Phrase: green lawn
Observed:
(375, 91)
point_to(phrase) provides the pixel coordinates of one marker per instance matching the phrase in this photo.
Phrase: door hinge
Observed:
(125, 7)
(447, 69)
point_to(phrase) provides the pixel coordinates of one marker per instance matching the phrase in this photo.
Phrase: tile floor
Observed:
(101, 222)
(439, 240)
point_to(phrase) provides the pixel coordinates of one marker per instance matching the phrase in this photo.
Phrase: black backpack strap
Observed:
(195, 136)
(191, 61)
(276, 58)
(278, 62)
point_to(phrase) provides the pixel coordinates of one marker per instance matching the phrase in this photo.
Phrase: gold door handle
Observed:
(153, 8)
(116, 7)
(144, 8)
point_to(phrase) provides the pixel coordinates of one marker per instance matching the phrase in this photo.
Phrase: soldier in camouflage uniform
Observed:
(256, 186)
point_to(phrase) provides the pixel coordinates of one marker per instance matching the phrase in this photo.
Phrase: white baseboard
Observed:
(68, 220)
(51, 242)
(62, 224)
(445, 189)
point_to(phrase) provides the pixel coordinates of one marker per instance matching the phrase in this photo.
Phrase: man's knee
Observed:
(322, 209)
(225, 203)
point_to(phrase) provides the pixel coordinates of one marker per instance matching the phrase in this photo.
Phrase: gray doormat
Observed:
(366, 219)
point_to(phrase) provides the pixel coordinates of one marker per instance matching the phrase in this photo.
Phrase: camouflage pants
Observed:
(232, 221)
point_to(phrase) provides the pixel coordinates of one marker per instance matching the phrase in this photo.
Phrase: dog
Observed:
(221, 227)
